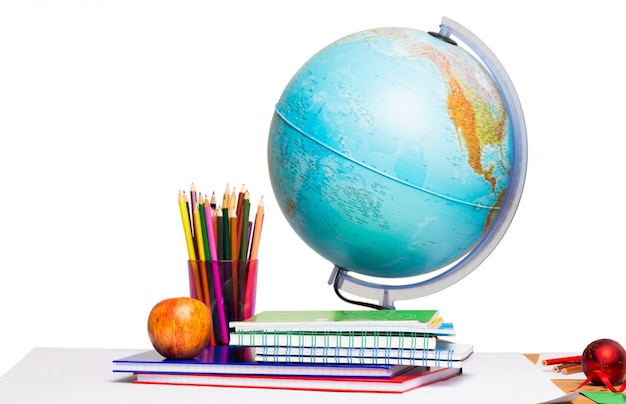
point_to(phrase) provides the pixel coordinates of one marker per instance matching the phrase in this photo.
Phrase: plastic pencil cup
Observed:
(201, 287)
(239, 280)
(228, 288)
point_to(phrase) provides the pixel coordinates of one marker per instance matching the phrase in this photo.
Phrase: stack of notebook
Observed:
(369, 351)
(398, 337)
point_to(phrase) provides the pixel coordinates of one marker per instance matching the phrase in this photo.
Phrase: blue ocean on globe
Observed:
(389, 152)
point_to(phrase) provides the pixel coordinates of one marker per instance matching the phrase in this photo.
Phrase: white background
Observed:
(107, 108)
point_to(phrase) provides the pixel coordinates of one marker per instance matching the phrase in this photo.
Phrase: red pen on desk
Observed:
(565, 359)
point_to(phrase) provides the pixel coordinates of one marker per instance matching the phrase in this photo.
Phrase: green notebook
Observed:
(341, 320)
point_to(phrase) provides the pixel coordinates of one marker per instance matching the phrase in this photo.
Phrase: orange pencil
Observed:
(249, 298)
(560, 367)
(232, 201)
(258, 226)
(572, 369)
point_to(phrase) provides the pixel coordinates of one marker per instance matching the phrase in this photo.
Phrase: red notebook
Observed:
(413, 378)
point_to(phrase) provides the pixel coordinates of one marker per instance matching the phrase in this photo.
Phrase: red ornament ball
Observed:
(606, 356)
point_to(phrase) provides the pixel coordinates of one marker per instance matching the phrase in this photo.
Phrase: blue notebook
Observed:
(226, 359)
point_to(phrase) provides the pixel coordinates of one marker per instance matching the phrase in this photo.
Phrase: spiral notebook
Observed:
(446, 354)
(329, 340)
(397, 329)
(422, 321)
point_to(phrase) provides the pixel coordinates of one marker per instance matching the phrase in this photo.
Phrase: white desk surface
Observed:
(68, 375)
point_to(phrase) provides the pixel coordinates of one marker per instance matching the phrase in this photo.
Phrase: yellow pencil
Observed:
(182, 202)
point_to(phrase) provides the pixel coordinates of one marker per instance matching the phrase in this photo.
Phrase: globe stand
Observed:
(387, 295)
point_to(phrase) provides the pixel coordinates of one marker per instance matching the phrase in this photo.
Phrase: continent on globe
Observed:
(390, 152)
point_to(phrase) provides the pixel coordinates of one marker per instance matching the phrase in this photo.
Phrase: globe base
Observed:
(386, 295)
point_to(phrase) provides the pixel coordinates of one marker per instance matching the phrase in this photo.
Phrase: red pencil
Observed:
(565, 359)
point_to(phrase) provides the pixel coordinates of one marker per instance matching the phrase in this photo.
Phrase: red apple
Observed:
(179, 327)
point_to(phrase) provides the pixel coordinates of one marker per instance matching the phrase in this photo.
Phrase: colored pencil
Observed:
(561, 366)
(204, 296)
(232, 220)
(213, 202)
(207, 281)
(234, 266)
(223, 327)
(566, 359)
(195, 276)
(184, 213)
(249, 297)
(258, 226)
(572, 369)
(242, 194)
(203, 224)
(225, 232)
(232, 200)
(193, 196)
(243, 226)
(198, 233)
(220, 233)
(226, 197)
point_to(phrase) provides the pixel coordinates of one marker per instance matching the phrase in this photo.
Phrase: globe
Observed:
(391, 152)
